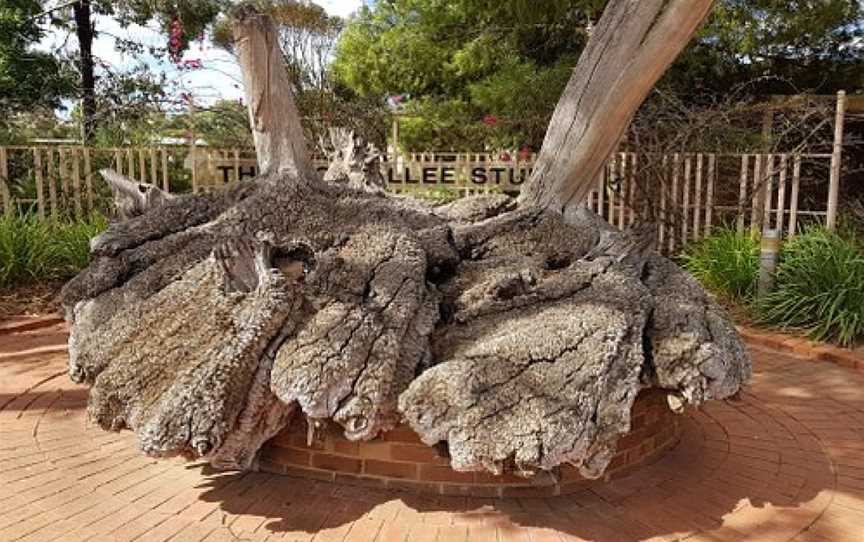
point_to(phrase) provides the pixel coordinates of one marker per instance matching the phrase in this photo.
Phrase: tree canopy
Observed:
(472, 71)
(29, 79)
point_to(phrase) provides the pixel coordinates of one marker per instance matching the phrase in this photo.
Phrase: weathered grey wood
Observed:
(5, 193)
(781, 194)
(767, 191)
(52, 183)
(352, 161)
(236, 165)
(601, 190)
(836, 161)
(630, 48)
(63, 175)
(709, 198)
(166, 183)
(634, 171)
(154, 167)
(130, 164)
(142, 167)
(661, 233)
(685, 204)
(793, 198)
(697, 210)
(622, 190)
(76, 182)
(133, 198)
(756, 195)
(742, 192)
(40, 188)
(279, 141)
(674, 213)
(88, 179)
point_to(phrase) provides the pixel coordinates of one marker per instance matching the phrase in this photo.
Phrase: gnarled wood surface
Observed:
(516, 335)
(632, 46)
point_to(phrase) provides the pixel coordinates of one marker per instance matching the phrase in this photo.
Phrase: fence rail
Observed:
(688, 194)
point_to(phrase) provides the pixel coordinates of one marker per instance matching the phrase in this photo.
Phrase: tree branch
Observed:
(633, 44)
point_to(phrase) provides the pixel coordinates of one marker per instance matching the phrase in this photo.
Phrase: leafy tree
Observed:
(776, 47)
(182, 21)
(505, 63)
(224, 124)
(28, 79)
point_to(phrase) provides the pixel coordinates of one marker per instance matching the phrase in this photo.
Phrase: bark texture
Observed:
(352, 160)
(519, 340)
(517, 336)
(632, 46)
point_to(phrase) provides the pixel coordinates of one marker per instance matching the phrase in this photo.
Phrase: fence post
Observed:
(76, 181)
(836, 161)
(40, 190)
(742, 193)
(793, 199)
(709, 196)
(166, 185)
(5, 193)
(768, 260)
(88, 179)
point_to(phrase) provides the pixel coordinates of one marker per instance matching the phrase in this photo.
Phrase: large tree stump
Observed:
(517, 336)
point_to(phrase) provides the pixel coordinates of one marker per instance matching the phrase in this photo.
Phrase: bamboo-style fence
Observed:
(687, 194)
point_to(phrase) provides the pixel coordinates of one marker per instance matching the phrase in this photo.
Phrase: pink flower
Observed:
(490, 120)
(176, 41)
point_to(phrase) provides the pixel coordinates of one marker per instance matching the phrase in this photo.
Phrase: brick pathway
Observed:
(785, 463)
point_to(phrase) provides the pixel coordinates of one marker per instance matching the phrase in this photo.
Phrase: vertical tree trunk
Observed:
(278, 133)
(85, 33)
(629, 50)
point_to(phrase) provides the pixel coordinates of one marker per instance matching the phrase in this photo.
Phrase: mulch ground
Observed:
(32, 299)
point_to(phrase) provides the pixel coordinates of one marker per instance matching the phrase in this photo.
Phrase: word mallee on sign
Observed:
(463, 173)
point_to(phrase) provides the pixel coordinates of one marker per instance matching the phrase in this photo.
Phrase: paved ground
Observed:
(785, 463)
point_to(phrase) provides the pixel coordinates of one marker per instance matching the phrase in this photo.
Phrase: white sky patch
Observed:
(219, 77)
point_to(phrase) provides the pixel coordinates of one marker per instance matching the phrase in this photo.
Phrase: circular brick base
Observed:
(399, 460)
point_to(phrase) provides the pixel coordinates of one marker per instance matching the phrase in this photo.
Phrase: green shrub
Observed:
(33, 250)
(726, 263)
(819, 287)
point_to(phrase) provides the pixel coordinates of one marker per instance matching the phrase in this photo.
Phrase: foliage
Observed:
(726, 263)
(34, 250)
(225, 124)
(466, 62)
(28, 79)
(194, 15)
(819, 287)
(785, 46)
(462, 62)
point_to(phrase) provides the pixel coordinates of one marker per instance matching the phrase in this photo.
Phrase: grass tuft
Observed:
(34, 250)
(819, 287)
(726, 263)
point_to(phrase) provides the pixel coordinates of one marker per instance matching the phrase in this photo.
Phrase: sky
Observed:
(219, 78)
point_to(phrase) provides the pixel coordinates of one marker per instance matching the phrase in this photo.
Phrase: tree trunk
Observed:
(631, 47)
(276, 127)
(518, 339)
(85, 32)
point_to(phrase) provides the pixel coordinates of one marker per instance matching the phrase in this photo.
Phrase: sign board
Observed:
(400, 174)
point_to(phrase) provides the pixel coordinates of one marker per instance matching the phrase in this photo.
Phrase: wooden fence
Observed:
(688, 194)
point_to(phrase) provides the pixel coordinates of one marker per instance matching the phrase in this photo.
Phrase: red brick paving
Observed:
(785, 463)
